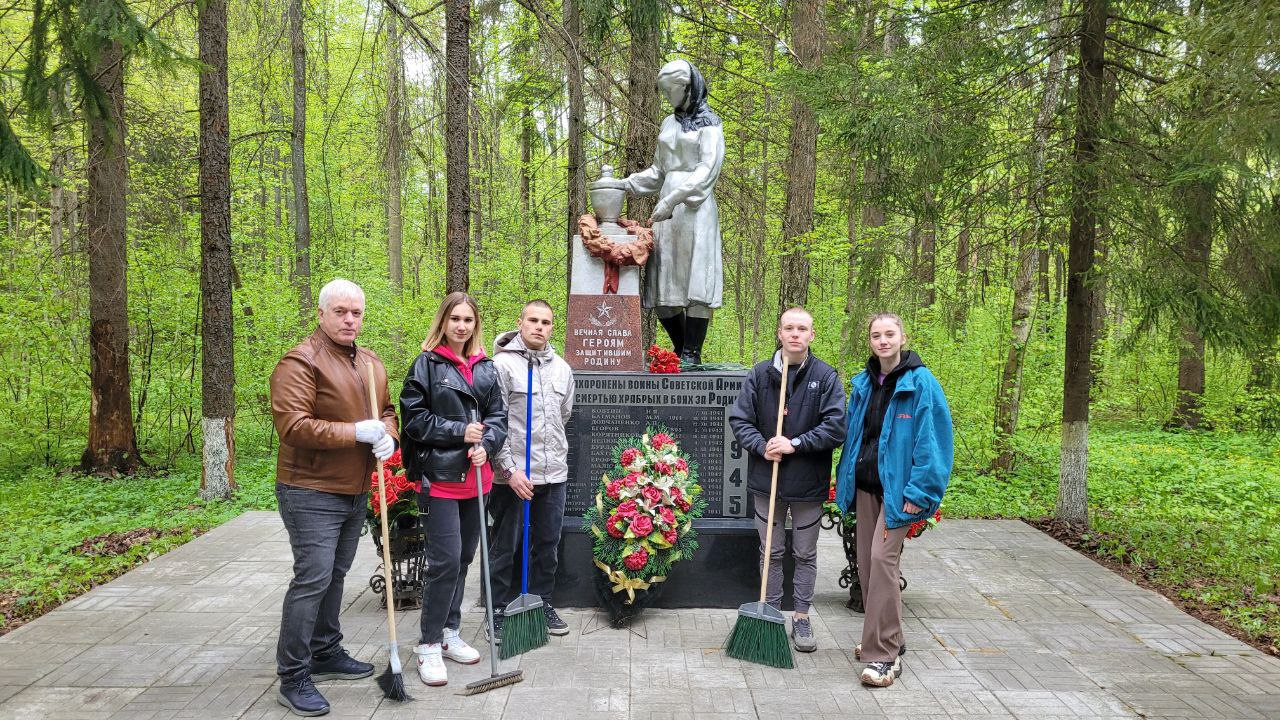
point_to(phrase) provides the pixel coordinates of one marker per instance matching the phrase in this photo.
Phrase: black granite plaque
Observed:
(695, 406)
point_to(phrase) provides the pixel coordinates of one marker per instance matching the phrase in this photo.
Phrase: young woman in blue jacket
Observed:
(893, 471)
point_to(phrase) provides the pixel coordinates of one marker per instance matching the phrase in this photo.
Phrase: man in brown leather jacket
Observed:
(328, 452)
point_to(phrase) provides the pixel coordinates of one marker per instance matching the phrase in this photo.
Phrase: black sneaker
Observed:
(299, 694)
(497, 628)
(555, 625)
(339, 666)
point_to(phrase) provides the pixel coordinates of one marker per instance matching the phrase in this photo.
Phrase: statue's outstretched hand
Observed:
(661, 211)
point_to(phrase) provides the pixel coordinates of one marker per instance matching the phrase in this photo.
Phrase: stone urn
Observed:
(606, 203)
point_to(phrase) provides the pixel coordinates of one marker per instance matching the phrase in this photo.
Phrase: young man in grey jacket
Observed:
(515, 354)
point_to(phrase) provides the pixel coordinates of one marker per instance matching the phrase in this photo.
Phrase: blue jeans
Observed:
(324, 532)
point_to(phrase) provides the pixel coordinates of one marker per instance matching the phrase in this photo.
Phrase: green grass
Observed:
(1197, 513)
(47, 516)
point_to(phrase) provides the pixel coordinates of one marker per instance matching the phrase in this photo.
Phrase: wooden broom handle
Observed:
(382, 498)
(773, 486)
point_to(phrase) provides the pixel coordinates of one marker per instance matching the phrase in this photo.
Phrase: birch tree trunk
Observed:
(217, 344)
(1073, 489)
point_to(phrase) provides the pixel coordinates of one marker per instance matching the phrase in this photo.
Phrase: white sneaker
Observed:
(431, 665)
(457, 649)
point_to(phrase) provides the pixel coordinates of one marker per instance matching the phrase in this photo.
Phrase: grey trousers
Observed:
(879, 557)
(453, 531)
(804, 548)
(324, 532)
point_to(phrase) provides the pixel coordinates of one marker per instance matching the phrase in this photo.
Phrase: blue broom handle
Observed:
(528, 469)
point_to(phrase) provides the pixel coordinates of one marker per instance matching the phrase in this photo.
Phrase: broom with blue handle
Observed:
(524, 625)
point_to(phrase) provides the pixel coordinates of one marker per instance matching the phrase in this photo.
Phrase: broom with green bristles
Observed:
(760, 634)
(524, 624)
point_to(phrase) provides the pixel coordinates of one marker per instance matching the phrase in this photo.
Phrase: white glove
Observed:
(383, 448)
(370, 431)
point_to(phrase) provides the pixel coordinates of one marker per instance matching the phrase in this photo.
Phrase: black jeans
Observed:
(453, 531)
(324, 532)
(506, 551)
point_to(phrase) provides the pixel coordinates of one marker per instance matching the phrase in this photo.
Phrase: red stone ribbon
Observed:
(615, 255)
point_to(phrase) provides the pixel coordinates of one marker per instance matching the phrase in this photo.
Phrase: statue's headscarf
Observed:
(693, 113)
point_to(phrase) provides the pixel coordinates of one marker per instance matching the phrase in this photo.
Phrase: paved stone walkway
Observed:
(1001, 622)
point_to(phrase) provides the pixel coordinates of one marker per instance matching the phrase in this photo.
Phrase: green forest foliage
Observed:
(941, 98)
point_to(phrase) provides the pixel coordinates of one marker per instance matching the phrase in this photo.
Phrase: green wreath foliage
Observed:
(653, 460)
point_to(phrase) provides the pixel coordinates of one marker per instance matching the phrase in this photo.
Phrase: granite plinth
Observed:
(604, 333)
(724, 572)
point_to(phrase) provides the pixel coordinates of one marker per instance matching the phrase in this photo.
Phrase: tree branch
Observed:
(1140, 23)
(1134, 71)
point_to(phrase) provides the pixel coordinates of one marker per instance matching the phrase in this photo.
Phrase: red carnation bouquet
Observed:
(662, 360)
(836, 517)
(918, 527)
(642, 520)
(402, 495)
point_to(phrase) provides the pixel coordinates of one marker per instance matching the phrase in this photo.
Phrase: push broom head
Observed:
(760, 636)
(524, 626)
(391, 681)
(495, 682)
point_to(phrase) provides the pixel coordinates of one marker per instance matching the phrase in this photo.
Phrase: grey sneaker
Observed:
(802, 635)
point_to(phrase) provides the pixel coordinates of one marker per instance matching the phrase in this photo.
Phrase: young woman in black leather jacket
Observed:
(451, 382)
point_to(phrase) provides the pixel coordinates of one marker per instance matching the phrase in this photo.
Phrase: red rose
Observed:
(683, 504)
(652, 494)
(637, 559)
(396, 460)
(666, 516)
(628, 509)
(681, 465)
(670, 536)
(661, 440)
(662, 468)
(631, 479)
(613, 489)
(612, 526)
(642, 526)
(629, 456)
(676, 493)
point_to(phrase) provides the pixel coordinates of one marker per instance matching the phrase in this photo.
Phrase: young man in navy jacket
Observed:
(813, 426)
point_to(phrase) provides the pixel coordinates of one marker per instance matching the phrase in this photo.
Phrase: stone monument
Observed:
(679, 245)
(604, 297)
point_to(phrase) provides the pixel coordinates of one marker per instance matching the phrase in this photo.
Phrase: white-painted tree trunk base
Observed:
(218, 476)
(1073, 477)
